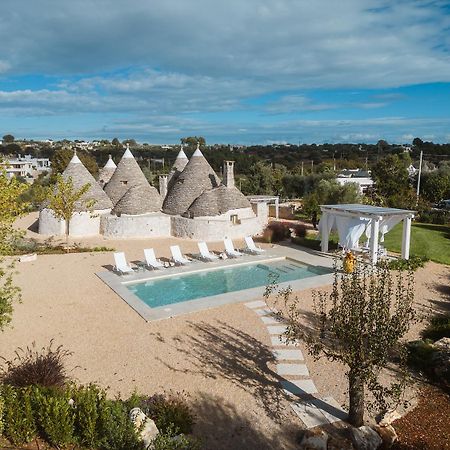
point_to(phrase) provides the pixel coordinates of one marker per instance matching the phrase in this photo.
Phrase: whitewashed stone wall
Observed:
(218, 227)
(82, 223)
(147, 225)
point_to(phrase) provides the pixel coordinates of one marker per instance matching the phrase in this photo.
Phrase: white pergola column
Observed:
(277, 207)
(374, 230)
(324, 232)
(406, 239)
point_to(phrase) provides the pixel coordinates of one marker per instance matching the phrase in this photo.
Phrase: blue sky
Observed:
(259, 71)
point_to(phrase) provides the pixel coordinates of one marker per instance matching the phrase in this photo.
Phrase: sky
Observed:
(234, 71)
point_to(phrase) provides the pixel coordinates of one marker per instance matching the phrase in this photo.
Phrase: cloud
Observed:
(295, 103)
(289, 44)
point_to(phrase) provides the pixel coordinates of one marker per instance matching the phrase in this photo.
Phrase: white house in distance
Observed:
(360, 177)
(192, 202)
(26, 166)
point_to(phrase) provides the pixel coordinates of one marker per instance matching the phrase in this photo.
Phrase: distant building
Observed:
(26, 166)
(360, 177)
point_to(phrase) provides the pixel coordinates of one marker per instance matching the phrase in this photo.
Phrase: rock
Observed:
(314, 439)
(388, 435)
(389, 417)
(365, 438)
(28, 258)
(441, 358)
(145, 426)
(339, 443)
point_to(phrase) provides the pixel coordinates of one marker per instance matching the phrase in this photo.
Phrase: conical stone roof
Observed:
(218, 201)
(197, 177)
(178, 167)
(139, 199)
(107, 172)
(129, 175)
(81, 176)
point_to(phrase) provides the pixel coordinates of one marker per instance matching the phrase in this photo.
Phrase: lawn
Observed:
(427, 240)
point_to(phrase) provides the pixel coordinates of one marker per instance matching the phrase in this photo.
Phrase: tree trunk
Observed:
(356, 394)
(67, 235)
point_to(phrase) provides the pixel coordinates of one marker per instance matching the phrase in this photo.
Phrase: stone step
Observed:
(292, 369)
(277, 329)
(288, 354)
(299, 387)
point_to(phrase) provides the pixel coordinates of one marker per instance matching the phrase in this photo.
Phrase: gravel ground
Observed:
(220, 357)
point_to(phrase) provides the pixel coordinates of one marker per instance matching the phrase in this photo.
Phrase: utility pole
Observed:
(418, 178)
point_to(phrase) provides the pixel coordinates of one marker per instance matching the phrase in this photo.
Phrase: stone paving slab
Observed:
(277, 342)
(270, 320)
(288, 354)
(292, 369)
(263, 312)
(330, 409)
(309, 415)
(299, 387)
(256, 304)
(277, 329)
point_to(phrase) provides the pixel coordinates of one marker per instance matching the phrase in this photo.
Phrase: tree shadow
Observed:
(224, 351)
(223, 427)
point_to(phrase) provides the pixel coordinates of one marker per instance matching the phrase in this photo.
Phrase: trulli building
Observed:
(84, 222)
(192, 203)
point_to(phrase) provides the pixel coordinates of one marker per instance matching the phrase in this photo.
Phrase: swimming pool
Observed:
(168, 290)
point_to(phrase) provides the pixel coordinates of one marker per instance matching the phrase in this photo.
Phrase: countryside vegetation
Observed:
(361, 323)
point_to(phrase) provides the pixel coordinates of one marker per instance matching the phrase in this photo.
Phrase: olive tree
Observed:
(360, 324)
(65, 199)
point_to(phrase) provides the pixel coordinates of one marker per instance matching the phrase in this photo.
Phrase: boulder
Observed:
(441, 358)
(388, 435)
(314, 439)
(365, 438)
(389, 417)
(144, 426)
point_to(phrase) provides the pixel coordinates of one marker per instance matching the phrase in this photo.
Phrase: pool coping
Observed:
(118, 283)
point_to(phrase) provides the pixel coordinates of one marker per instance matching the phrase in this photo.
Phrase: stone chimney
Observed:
(228, 173)
(163, 181)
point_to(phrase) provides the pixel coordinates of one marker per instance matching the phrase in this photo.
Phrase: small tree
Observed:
(64, 200)
(360, 324)
(10, 209)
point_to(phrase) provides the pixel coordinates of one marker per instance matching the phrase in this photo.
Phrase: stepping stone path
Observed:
(311, 409)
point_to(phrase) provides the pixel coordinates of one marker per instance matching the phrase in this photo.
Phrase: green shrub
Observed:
(170, 440)
(438, 328)
(88, 403)
(413, 263)
(18, 422)
(43, 367)
(116, 428)
(54, 415)
(169, 411)
(420, 355)
(2, 409)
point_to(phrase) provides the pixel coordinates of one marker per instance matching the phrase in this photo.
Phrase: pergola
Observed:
(269, 199)
(372, 216)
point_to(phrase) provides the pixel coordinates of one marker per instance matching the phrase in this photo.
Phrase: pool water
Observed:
(179, 288)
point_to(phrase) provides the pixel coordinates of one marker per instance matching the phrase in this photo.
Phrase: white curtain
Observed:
(350, 229)
(387, 224)
(330, 223)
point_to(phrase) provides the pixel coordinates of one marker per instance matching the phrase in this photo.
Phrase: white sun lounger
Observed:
(229, 248)
(251, 247)
(150, 259)
(177, 257)
(121, 264)
(205, 253)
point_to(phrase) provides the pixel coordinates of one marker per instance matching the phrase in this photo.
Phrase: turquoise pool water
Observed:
(179, 288)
